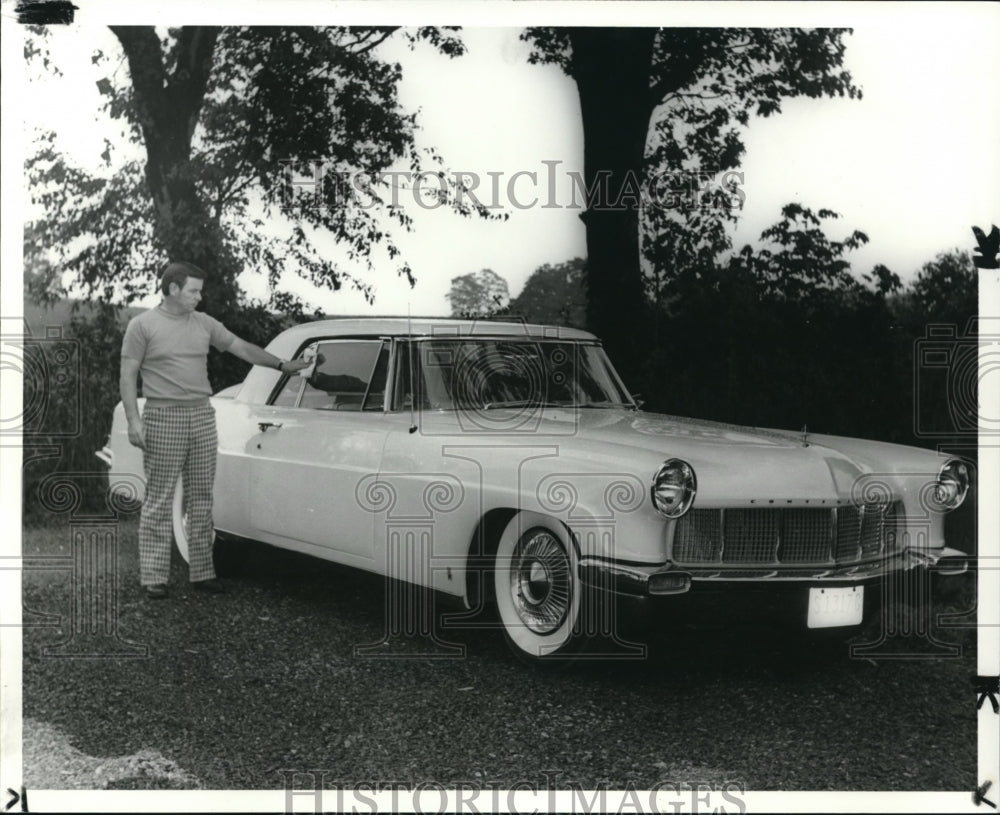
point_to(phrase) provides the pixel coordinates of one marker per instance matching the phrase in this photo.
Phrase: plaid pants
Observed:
(178, 440)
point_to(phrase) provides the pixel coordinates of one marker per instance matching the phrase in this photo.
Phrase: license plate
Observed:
(831, 607)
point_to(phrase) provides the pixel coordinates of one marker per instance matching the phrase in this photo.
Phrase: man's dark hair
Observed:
(178, 272)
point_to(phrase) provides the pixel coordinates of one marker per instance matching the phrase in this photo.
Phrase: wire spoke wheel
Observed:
(536, 588)
(540, 582)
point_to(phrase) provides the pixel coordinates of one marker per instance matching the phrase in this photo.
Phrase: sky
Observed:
(914, 164)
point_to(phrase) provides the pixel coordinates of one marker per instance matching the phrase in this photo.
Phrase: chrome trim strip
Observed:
(931, 558)
(834, 531)
(722, 536)
(624, 579)
(908, 559)
(618, 579)
(634, 580)
(883, 514)
(859, 548)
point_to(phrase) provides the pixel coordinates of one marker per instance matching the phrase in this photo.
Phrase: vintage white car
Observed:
(507, 463)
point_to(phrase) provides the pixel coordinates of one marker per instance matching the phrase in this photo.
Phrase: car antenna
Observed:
(409, 354)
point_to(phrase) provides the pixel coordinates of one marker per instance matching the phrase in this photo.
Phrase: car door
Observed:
(318, 438)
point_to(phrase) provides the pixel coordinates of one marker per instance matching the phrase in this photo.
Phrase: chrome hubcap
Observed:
(540, 582)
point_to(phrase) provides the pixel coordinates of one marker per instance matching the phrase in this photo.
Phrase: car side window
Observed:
(341, 378)
(288, 396)
(403, 382)
(375, 397)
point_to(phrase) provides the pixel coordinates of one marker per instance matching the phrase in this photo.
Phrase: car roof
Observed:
(261, 380)
(431, 327)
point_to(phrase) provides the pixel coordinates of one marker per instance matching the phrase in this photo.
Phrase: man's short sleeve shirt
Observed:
(172, 352)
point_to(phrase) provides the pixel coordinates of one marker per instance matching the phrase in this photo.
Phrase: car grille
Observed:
(793, 536)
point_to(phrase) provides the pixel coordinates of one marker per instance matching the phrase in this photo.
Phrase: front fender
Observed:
(608, 511)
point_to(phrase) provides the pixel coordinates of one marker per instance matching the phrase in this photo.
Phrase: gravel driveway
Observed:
(235, 689)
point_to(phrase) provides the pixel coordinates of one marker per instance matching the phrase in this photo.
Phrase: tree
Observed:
(947, 289)
(231, 120)
(669, 100)
(227, 119)
(784, 336)
(805, 265)
(941, 348)
(478, 294)
(554, 295)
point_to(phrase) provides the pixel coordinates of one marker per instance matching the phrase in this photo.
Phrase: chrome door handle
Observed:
(265, 425)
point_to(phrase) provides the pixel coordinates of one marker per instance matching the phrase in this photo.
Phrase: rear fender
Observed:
(126, 476)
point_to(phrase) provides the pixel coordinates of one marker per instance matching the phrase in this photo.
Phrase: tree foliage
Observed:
(228, 122)
(231, 121)
(70, 389)
(783, 335)
(670, 103)
(937, 314)
(946, 288)
(554, 294)
(478, 294)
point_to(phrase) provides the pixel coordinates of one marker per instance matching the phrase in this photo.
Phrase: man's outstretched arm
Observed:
(256, 355)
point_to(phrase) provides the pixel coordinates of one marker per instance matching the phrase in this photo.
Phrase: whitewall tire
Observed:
(537, 587)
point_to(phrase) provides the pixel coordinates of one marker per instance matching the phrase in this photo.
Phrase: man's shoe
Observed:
(212, 586)
(157, 591)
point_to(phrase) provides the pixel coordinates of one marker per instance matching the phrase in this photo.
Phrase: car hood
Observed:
(735, 462)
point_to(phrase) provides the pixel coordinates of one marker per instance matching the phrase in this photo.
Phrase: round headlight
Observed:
(952, 485)
(674, 487)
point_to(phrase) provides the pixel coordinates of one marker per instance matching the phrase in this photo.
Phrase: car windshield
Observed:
(485, 374)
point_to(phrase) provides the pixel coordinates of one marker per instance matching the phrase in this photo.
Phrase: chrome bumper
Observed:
(640, 581)
(652, 581)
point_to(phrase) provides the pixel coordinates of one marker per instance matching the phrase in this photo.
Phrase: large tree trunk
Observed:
(167, 107)
(611, 67)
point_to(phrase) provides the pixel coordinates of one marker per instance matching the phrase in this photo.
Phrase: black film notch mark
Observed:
(45, 12)
(979, 796)
(14, 797)
(988, 687)
(989, 248)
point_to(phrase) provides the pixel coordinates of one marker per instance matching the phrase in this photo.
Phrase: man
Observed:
(176, 431)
